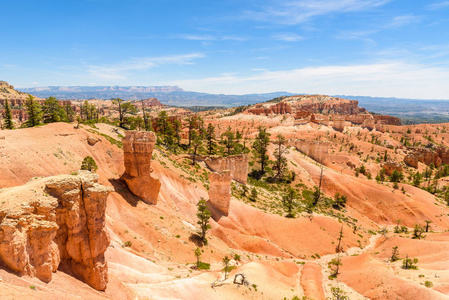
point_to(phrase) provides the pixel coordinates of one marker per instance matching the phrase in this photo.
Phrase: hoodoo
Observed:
(220, 190)
(138, 148)
(236, 164)
(59, 222)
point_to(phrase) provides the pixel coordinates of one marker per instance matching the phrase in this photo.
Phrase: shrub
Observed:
(89, 164)
(428, 284)
(409, 263)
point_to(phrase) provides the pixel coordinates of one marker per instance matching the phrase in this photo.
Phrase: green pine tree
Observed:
(34, 111)
(8, 116)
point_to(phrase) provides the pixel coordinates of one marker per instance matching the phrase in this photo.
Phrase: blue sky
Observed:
(394, 48)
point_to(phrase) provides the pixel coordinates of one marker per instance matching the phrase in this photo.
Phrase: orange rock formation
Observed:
(220, 190)
(138, 148)
(58, 221)
(237, 164)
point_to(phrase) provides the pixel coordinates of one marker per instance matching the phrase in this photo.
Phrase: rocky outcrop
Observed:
(388, 120)
(280, 108)
(138, 149)
(220, 190)
(426, 155)
(391, 166)
(236, 164)
(58, 221)
(316, 150)
(411, 161)
(324, 104)
(443, 153)
(151, 102)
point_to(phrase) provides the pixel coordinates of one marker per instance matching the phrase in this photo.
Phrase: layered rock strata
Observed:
(57, 221)
(220, 190)
(236, 164)
(138, 148)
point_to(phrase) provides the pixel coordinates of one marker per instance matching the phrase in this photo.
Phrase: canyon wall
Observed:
(138, 149)
(53, 222)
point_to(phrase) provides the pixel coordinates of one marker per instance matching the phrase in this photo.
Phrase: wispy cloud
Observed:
(400, 21)
(208, 37)
(437, 5)
(287, 37)
(140, 63)
(292, 12)
(393, 23)
(399, 79)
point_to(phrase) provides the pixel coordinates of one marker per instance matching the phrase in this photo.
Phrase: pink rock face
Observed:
(220, 190)
(236, 164)
(62, 224)
(138, 149)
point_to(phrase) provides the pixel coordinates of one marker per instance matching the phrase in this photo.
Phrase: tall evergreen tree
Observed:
(52, 111)
(280, 164)
(69, 112)
(203, 215)
(210, 138)
(229, 141)
(8, 116)
(192, 123)
(288, 201)
(34, 111)
(260, 148)
(162, 122)
(196, 145)
(177, 126)
(124, 108)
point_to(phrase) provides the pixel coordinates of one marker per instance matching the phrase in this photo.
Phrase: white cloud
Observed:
(116, 72)
(298, 11)
(287, 37)
(438, 5)
(384, 79)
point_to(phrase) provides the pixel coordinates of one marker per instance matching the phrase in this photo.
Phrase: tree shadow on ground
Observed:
(196, 239)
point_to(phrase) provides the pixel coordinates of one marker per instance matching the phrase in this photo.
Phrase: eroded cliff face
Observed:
(220, 190)
(236, 164)
(53, 222)
(280, 108)
(138, 148)
(319, 151)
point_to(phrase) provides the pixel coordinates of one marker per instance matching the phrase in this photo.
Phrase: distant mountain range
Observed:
(409, 110)
(170, 95)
